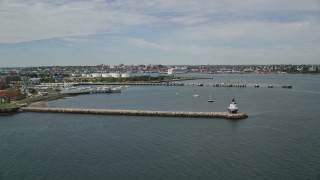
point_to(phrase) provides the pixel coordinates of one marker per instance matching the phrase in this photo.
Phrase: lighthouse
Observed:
(233, 108)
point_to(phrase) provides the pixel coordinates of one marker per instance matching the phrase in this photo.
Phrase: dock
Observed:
(222, 84)
(132, 84)
(239, 85)
(219, 115)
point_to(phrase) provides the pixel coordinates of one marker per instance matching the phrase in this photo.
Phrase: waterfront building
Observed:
(177, 70)
(95, 75)
(3, 99)
(125, 75)
(105, 75)
(34, 80)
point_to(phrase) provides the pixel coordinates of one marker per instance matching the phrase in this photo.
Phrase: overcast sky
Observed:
(91, 32)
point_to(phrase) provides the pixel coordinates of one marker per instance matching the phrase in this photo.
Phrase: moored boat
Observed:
(287, 86)
(210, 99)
(195, 94)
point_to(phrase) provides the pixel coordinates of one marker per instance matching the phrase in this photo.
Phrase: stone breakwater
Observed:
(221, 115)
(8, 110)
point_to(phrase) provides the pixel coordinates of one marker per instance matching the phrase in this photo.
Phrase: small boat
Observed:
(287, 86)
(195, 94)
(210, 99)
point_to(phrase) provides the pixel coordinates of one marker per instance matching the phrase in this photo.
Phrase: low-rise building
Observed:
(34, 80)
(3, 99)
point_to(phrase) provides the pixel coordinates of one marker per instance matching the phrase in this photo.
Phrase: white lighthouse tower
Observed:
(233, 108)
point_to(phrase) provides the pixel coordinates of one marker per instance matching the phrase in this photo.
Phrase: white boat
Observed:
(177, 70)
(195, 94)
(75, 90)
(210, 99)
(233, 108)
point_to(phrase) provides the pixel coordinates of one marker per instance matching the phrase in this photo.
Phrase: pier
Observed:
(239, 85)
(190, 84)
(220, 115)
(133, 84)
(222, 84)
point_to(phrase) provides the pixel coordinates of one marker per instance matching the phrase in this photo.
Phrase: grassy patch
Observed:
(31, 99)
(5, 105)
(38, 98)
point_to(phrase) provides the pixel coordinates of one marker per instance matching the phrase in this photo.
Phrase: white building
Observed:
(34, 80)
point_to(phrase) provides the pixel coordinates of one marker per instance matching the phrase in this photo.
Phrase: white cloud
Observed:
(167, 46)
(25, 20)
(189, 20)
(228, 29)
(251, 31)
(21, 21)
(285, 53)
(215, 6)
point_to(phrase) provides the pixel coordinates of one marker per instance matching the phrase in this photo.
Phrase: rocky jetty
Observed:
(221, 115)
(6, 110)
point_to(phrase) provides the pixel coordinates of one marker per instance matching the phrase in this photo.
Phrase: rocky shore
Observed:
(40, 104)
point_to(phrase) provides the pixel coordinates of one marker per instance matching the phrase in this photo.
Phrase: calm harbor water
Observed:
(279, 140)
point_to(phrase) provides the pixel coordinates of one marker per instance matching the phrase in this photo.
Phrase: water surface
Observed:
(279, 140)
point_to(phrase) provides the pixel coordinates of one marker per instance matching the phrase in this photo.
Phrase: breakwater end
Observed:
(221, 115)
(5, 110)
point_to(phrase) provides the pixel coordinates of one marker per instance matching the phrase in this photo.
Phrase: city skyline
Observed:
(44, 33)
